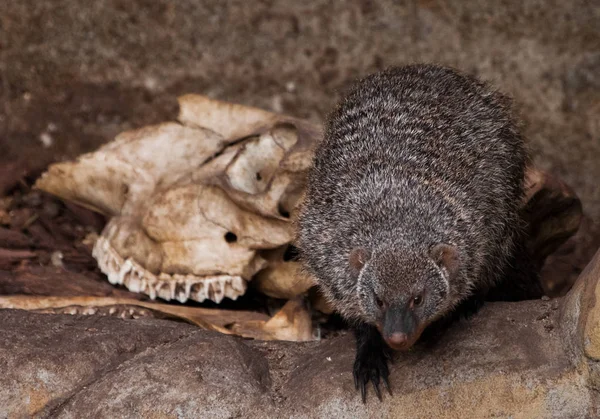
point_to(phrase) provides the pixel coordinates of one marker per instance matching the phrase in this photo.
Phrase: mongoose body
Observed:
(412, 204)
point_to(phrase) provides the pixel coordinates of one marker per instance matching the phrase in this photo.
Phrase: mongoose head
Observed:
(401, 291)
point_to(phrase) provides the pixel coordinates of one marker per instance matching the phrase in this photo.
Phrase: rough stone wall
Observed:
(76, 73)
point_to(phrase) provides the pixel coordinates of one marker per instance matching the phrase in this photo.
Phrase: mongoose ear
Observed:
(447, 257)
(358, 257)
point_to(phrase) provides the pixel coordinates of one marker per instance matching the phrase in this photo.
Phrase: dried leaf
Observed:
(552, 210)
(293, 322)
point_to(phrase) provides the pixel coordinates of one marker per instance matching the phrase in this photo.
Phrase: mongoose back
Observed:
(412, 204)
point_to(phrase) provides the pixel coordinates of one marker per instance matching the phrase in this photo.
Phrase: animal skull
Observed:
(196, 205)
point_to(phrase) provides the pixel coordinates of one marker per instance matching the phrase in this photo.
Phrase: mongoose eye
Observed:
(378, 302)
(418, 300)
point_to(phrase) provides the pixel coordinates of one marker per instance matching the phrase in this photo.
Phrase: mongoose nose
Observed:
(398, 338)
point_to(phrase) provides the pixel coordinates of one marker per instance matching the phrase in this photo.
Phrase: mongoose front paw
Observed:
(371, 363)
(372, 367)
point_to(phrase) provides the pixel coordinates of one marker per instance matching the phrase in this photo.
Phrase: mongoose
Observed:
(412, 205)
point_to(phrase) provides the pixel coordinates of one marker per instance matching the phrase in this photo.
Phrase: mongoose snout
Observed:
(401, 325)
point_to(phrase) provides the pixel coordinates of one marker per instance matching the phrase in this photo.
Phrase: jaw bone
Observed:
(137, 279)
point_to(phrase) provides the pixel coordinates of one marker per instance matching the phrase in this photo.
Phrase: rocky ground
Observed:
(69, 366)
(74, 74)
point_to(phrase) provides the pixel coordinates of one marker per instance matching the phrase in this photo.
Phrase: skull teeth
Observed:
(168, 287)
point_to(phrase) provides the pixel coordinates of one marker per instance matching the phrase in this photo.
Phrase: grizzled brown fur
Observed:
(412, 203)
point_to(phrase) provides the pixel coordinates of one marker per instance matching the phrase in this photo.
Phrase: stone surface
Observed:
(202, 375)
(46, 360)
(580, 320)
(581, 312)
(591, 336)
(510, 359)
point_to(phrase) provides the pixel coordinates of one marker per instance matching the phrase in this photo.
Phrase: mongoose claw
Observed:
(386, 384)
(377, 391)
(371, 367)
(371, 363)
(374, 369)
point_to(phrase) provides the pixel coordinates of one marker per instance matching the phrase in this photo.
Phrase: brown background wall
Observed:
(76, 73)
